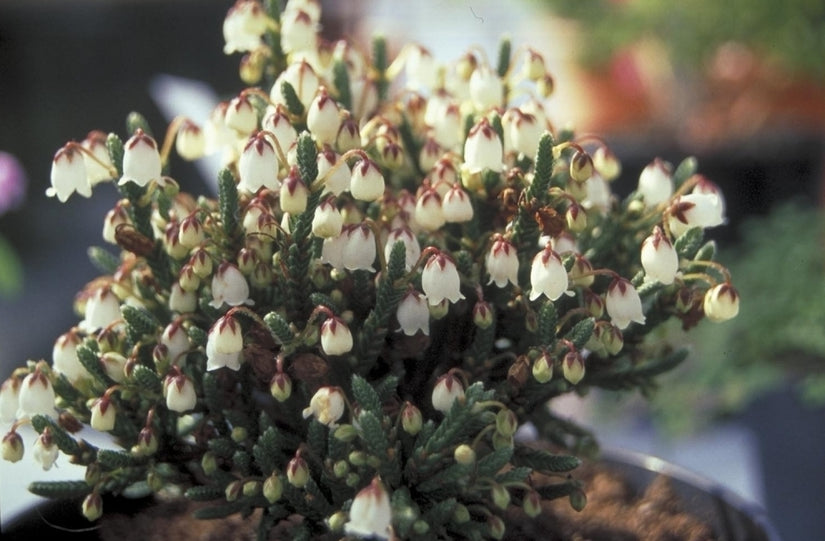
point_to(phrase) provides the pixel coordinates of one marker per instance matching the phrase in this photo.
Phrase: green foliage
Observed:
(103, 260)
(228, 201)
(59, 490)
(293, 103)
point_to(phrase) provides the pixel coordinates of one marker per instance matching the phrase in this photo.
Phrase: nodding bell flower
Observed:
(298, 31)
(303, 80)
(412, 249)
(534, 68)
(243, 26)
(659, 259)
(440, 279)
(327, 221)
(606, 163)
(92, 506)
(64, 357)
(522, 132)
(117, 216)
(721, 302)
(181, 301)
(447, 127)
(448, 389)
(370, 515)
(241, 116)
(335, 181)
(502, 263)
(323, 118)
(623, 304)
(229, 287)
(190, 141)
(359, 250)
(280, 129)
(141, 160)
(103, 414)
(456, 205)
(179, 391)
(696, 210)
(99, 168)
(258, 165)
(482, 149)
(102, 309)
(327, 406)
(68, 174)
(332, 250)
(656, 183)
(336, 338)
(548, 276)
(190, 232)
(428, 210)
(413, 314)
(420, 68)
(294, 193)
(9, 399)
(12, 447)
(224, 344)
(45, 451)
(175, 339)
(367, 182)
(598, 193)
(486, 88)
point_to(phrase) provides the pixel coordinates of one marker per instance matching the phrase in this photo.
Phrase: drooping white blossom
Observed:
(623, 304)
(548, 276)
(659, 259)
(327, 405)
(413, 313)
(370, 514)
(440, 279)
(141, 160)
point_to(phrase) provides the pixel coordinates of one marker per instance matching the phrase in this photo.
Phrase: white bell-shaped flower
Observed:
(115, 217)
(413, 314)
(456, 205)
(327, 221)
(64, 357)
(721, 302)
(323, 118)
(280, 130)
(303, 80)
(327, 405)
(659, 259)
(243, 26)
(182, 301)
(36, 396)
(656, 183)
(179, 391)
(176, 340)
(68, 174)
(336, 338)
(229, 286)
(548, 276)
(241, 115)
(141, 160)
(190, 141)
(336, 181)
(483, 148)
(45, 450)
(598, 193)
(522, 132)
(224, 344)
(447, 390)
(696, 210)
(9, 399)
(332, 250)
(412, 249)
(258, 165)
(428, 212)
(440, 280)
(103, 414)
(502, 263)
(370, 515)
(294, 193)
(367, 182)
(623, 303)
(98, 163)
(420, 68)
(486, 88)
(298, 31)
(102, 309)
(359, 251)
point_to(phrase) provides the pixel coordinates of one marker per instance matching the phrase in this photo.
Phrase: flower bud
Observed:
(12, 447)
(370, 514)
(336, 338)
(428, 210)
(209, 463)
(92, 507)
(179, 391)
(659, 259)
(294, 193)
(273, 488)
(345, 433)
(500, 496)
(548, 276)
(233, 490)
(506, 422)
(581, 274)
(297, 472)
(190, 142)
(532, 504)
(581, 166)
(578, 499)
(447, 390)
(327, 405)
(543, 368)
(721, 302)
(606, 163)
(224, 344)
(114, 364)
(141, 160)
(102, 309)
(496, 527)
(147, 442)
(576, 218)
(573, 367)
(182, 301)
(241, 116)
(281, 386)
(456, 206)
(114, 218)
(412, 314)
(190, 232)
(411, 419)
(461, 514)
(103, 414)
(68, 174)
(45, 451)
(9, 399)
(483, 315)
(623, 303)
(36, 396)
(366, 182)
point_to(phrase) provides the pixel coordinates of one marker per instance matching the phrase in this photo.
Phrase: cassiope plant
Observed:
(404, 263)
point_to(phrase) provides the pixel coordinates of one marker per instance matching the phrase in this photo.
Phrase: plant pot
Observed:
(728, 515)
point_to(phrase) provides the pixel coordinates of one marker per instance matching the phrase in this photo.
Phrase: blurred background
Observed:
(740, 85)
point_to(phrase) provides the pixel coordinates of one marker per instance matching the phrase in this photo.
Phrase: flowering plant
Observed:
(401, 268)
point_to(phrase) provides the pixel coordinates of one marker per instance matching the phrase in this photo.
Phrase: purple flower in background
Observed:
(12, 182)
